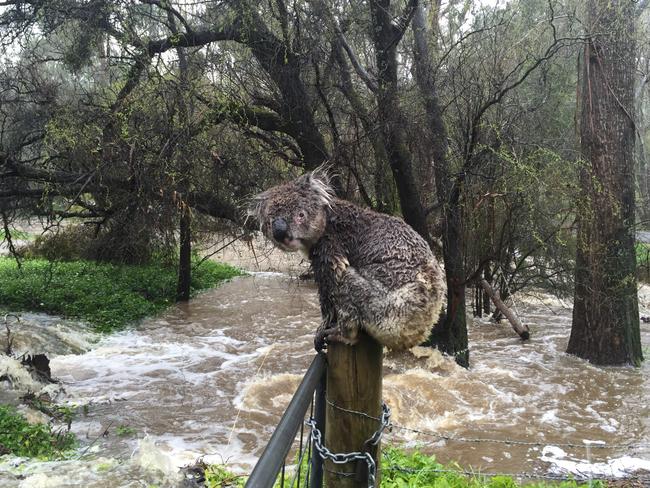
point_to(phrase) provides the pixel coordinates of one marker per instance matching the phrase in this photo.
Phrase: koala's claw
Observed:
(326, 335)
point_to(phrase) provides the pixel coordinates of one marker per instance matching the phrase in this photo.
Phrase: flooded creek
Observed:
(211, 379)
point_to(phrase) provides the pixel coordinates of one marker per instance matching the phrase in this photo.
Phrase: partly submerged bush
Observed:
(19, 437)
(123, 243)
(66, 244)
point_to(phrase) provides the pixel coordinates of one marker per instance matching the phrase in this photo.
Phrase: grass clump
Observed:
(125, 431)
(108, 296)
(15, 235)
(401, 469)
(219, 476)
(19, 437)
(406, 469)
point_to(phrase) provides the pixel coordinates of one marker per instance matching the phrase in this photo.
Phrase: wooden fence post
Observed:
(354, 382)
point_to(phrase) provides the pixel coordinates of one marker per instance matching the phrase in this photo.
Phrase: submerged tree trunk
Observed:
(450, 334)
(185, 256)
(605, 327)
(185, 222)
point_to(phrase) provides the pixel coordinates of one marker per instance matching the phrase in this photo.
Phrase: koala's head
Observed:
(294, 215)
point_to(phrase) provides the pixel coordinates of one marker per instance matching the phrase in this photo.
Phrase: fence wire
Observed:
(300, 474)
(586, 445)
(592, 444)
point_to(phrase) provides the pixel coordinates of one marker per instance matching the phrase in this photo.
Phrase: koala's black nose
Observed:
(279, 228)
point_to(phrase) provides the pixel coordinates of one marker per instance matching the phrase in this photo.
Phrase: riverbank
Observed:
(106, 296)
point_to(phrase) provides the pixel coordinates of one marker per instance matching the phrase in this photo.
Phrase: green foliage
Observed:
(402, 469)
(108, 296)
(643, 261)
(125, 431)
(642, 254)
(31, 440)
(218, 476)
(415, 469)
(16, 234)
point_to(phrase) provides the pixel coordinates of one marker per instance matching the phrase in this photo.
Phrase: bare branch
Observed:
(370, 82)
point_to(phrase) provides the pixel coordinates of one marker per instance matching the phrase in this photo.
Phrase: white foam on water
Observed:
(154, 458)
(619, 467)
(550, 417)
(268, 274)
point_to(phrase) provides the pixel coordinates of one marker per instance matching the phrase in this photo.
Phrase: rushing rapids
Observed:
(211, 378)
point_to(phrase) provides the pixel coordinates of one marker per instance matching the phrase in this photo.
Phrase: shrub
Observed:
(21, 438)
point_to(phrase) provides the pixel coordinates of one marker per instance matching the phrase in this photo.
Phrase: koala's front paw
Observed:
(324, 335)
(320, 338)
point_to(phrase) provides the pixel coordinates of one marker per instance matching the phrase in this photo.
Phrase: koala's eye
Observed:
(301, 215)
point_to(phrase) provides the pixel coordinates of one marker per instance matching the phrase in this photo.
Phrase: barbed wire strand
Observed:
(387, 425)
(591, 444)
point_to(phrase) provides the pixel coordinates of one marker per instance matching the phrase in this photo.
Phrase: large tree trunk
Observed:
(183, 285)
(385, 200)
(605, 326)
(386, 38)
(450, 335)
(184, 257)
(285, 67)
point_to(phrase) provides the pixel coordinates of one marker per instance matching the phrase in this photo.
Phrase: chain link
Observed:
(316, 438)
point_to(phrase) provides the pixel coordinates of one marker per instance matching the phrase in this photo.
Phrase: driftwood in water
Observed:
(519, 328)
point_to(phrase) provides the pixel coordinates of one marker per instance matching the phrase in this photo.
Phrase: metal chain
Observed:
(316, 438)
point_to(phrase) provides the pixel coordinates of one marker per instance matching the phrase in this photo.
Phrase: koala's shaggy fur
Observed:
(374, 272)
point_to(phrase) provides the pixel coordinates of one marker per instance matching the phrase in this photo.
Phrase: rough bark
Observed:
(450, 334)
(386, 37)
(605, 327)
(184, 257)
(183, 286)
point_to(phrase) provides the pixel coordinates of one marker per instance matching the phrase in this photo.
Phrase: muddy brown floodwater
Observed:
(212, 378)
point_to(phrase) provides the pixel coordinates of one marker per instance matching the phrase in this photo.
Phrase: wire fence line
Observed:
(592, 444)
(275, 463)
(575, 476)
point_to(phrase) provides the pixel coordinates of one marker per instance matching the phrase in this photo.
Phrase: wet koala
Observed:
(374, 272)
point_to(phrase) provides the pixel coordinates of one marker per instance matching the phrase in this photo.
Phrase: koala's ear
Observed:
(256, 205)
(319, 183)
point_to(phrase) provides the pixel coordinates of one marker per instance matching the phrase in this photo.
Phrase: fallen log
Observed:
(519, 328)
